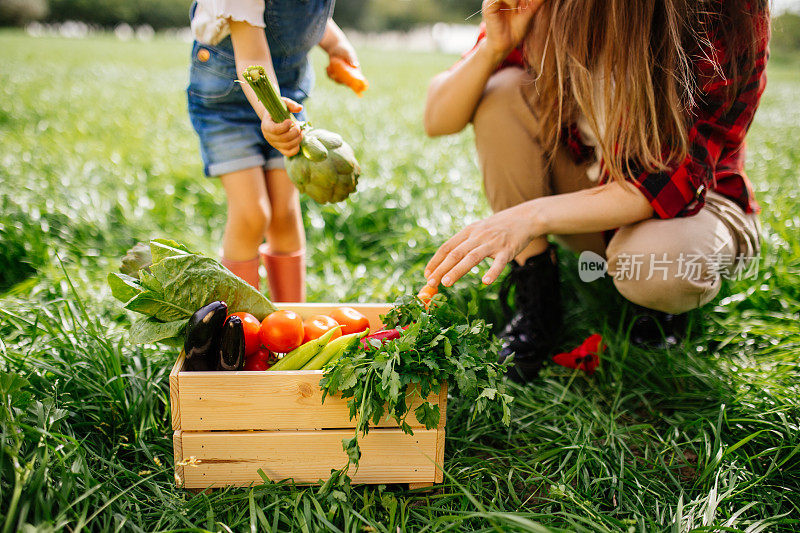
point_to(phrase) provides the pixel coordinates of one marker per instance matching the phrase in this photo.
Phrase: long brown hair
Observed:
(629, 66)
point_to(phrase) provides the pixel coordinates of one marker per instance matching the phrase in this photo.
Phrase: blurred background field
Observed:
(96, 153)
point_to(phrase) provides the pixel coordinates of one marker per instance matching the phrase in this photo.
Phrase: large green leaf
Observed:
(163, 248)
(192, 281)
(159, 306)
(148, 330)
(124, 287)
(177, 284)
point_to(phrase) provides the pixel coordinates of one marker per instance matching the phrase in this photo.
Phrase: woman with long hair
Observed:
(616, 127)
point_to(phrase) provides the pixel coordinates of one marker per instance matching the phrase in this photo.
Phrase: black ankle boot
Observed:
(532, 330)
(656, 329)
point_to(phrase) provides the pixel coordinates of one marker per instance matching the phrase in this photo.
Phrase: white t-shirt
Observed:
(590, 139)
(210, 21)
(588, 136)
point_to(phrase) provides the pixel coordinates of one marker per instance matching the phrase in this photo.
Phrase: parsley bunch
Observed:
(440, 344)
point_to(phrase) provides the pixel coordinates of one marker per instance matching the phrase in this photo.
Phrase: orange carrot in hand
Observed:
(342, 72)
(427, 293)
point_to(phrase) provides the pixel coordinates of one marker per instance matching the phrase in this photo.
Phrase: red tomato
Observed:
(318, 325)
(351, 320)
(252, 329)
(260, 360)
(282, 331)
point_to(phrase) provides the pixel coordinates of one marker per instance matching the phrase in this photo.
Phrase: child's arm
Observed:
(454, 94)
(336, 44)
(250, 48)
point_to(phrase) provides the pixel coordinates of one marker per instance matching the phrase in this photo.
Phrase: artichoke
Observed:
(325, 168)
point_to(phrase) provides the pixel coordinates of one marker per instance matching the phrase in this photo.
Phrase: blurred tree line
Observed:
(786, 32)
(364, 15)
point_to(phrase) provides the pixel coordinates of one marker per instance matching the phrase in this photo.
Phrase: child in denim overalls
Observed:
(238, 139)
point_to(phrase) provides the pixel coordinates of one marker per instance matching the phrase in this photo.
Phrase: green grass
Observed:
(97, 153)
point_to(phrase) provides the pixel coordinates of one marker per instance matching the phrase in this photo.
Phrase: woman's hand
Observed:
(501, 236)
(284, 136)
(507, 23)
(506, 233)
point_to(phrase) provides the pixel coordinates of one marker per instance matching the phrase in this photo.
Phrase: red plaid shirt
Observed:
(716, 140)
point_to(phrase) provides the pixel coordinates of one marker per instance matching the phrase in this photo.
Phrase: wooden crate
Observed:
(228, 425)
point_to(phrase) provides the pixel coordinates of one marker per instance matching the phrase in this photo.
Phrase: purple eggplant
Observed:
(203, 335)
(231, 345)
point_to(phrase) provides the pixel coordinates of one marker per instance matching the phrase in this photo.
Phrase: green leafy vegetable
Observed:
(149, 330)
(123, 286)
(439, 345)
(174, 285)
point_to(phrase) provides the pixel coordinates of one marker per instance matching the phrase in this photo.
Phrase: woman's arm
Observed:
(454, 94)
(250, 48)
(506, 233)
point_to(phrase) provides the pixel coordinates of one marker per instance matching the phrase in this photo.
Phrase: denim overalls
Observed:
(229, 129)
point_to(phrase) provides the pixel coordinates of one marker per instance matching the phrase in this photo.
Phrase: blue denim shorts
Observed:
(228, 128)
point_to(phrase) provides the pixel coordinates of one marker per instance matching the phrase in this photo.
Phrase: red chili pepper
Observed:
(383, 336)
(586, 356)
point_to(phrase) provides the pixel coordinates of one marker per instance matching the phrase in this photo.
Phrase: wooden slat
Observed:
(440, 434)
(233, 458)
(174, 392)
(231, 401)
(177, 453)
(440, 437)
(443, 406)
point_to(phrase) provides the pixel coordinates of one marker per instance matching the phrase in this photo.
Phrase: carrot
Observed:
(342, 72)
(427, 293)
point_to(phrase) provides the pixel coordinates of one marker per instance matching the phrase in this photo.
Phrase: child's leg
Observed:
(284, 257)
(248, 218)
(285, 232)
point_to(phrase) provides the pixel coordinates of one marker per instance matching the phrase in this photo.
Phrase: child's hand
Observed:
(507, 23)
(344, 50)
(284, 136)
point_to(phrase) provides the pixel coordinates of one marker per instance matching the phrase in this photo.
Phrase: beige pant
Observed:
(670, 265)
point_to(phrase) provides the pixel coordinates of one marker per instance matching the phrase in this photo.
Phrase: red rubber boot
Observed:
(247, 270)
(286, 274)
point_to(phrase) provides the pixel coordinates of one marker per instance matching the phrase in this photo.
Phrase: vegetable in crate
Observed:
(352, 321)
(432, 345)
(259, 361)
(297, 358)
(252, 332)
(170, 283)
(282, 331)
(203, 334)
(325, 168)
(380, 337)
(335, 349)
(316, 326)
(231, 345)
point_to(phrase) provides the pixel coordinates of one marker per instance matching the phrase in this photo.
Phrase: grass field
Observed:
(96, 153)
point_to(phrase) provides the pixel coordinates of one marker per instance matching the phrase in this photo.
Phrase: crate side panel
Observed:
(233, 458)
(174, 392)
(177, 453)
(232, 401)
